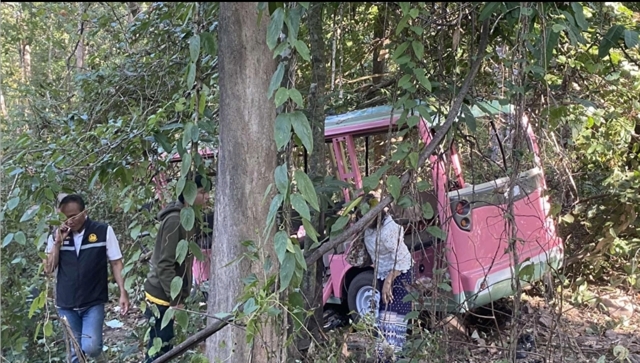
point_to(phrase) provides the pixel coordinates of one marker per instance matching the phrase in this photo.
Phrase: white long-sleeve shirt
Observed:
(391, 253)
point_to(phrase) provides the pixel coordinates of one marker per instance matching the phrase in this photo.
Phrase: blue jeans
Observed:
(86, 325)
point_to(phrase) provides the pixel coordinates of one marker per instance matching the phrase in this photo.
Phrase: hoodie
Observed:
(164, 266)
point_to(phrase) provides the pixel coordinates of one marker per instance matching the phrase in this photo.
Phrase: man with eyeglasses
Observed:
(79, 249)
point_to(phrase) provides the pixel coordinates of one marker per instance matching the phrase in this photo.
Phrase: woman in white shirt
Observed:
(384, 240)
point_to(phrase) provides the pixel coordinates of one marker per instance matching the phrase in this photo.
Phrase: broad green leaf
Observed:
(181, 251)
(469, 118)
(402, 24)
(195, 132)
(287, 268)
(13, 202)
(7, 239)
(558, 28)
(276, 80)
(631, 38)
(405, 81)
(340, 223)
(275, 28)
(282, 178)
(280, 240)
(48, 328)
(176, 286)
(427, 211)
(190, 192)
(418, 48)
(610, 40)
(168, 315)
(299, 257)
(305, 186)
(416, 29)
(296, 97)
(187, 218)
(405, 7)
(135, 232)
(413, 159)
(191, 75)
(578, 13)
(186, 164)
(488, 10)
(414, 13)
(413, 120)
(309, 230)
(299, 204)
(293, 22)
(29, 214)
(209, 43)
(303, 50)
(195, 250)
(180, 184)
(282, 95)
(302, 128)
(393, 185)
(162, 140)
(422, 78)
(182, 318)
(276, 202)
(437, 232)
(400, 50)
(282, 130)
(250, 306)
(194, 47)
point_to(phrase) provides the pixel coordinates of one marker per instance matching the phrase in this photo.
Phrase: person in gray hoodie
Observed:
(164, 267)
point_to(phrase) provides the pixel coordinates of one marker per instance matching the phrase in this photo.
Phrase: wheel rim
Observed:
(367, 301)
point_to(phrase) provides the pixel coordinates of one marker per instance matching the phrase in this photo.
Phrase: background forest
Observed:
(93, 95)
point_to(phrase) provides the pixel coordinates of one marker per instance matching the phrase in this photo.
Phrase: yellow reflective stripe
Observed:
(155, 300)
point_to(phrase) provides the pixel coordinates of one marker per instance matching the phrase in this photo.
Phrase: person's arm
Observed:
(171, 236)
(392, 236)
(115, 259)
(53, 250)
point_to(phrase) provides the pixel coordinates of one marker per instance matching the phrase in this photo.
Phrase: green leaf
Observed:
(414, 13)
(413, 158)
(299, 204)
(29, 214)
(305, 186)
(287, 268)
(558, 27)
(195, 250)
(437, 232)
(182, 318)
(209, 43)
(281, 240)
(180, 185)
(418, 48)
(186, 164)
(282, 130)
(187, 218)
(195, 131)
(416, 29)
(400, 50)
(20, 238)
(282, 95)
(181, 251)
(309, 230)
(168, 315)
(276, 80)
(412, 315)
(273, 209)
(191, 75)
(190, 191)
(176, 286)
(578, 12)
(302, 128)
(631, 38)
(194, 47)
(610, 40)
(13, 202)
(404, 82)
(275, 28)
(293, 22)
(282, 178)
(402, 24)
(427, 211)
(299, 257)
(487, 11)
(340, 223)
(162, 140)
(469, 118)
(303, 50)
(7, 239)
(296, 97)
(48, 328)
(393, 185)
(422, 78)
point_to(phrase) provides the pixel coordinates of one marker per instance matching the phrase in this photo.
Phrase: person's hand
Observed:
(124, 303)
(62, 234)
(387, 291)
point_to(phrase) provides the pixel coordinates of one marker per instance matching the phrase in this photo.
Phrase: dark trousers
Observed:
(165, 334)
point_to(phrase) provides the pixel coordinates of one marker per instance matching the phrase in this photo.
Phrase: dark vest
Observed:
(83, 278)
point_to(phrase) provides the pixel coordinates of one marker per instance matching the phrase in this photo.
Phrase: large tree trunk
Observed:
(245, 169)
(312, 281)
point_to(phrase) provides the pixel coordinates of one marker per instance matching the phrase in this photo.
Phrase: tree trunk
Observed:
(312, 281)
(379, 35)
(26, 54)
(245, 169)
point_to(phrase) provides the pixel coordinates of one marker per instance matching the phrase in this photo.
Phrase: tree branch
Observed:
(357, 227)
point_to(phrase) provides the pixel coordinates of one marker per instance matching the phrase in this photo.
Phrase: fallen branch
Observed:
(193, 340)
(359, 226)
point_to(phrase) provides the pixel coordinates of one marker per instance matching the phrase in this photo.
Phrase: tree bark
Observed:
(379, 35)
(245, 169)
(312, 281)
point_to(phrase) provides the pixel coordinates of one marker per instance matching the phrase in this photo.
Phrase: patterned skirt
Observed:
(391, 319)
